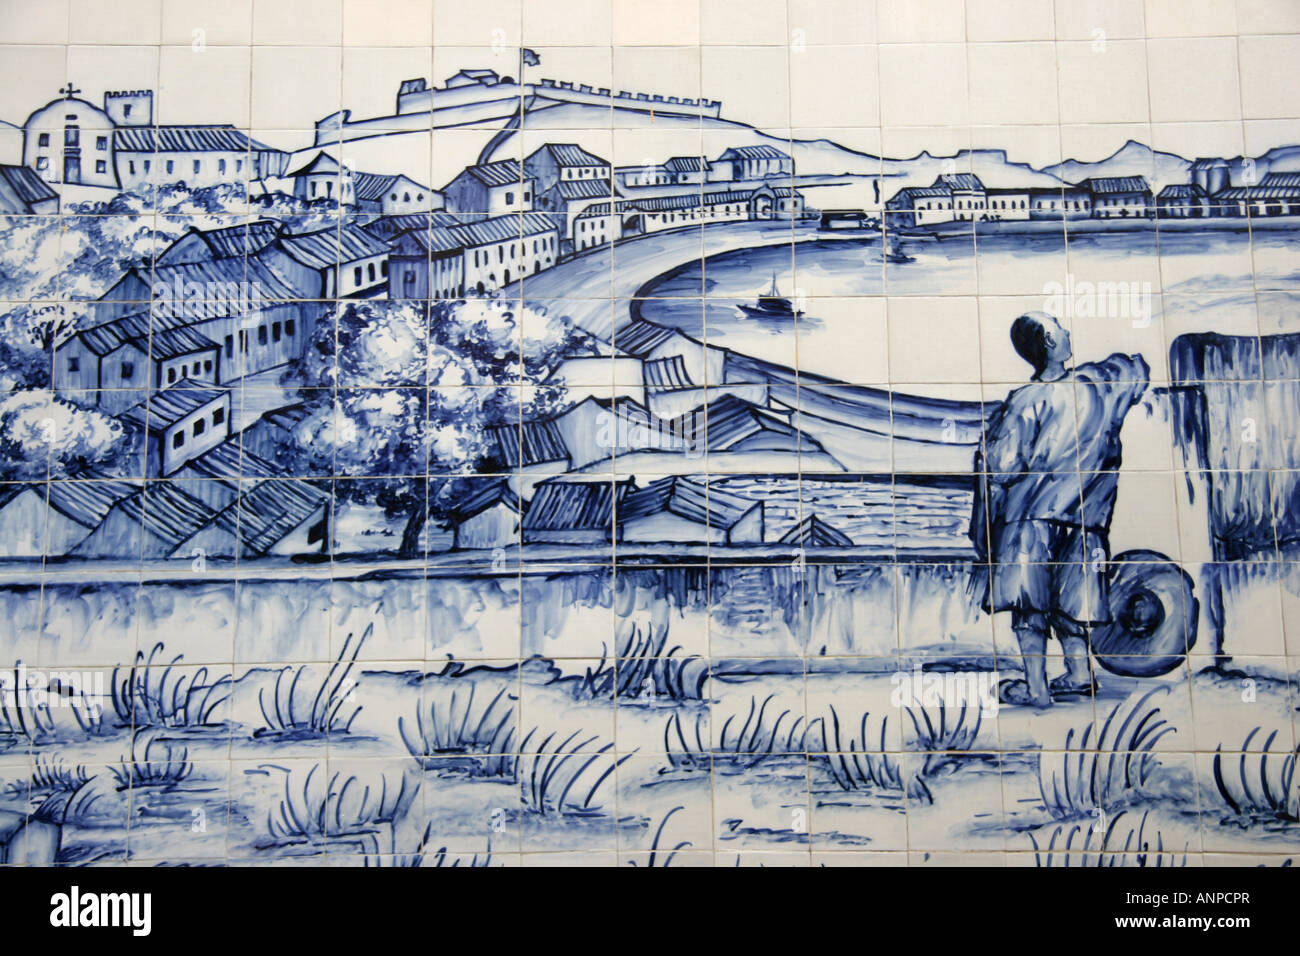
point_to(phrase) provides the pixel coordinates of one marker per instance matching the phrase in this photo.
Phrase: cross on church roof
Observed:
(69, 90)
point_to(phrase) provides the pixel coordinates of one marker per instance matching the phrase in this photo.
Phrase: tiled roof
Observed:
(372, 186)
(184, 139)
(532, 443)
(583, 189)
(164, 511)
(727, 421)
(666, 374)
(165, 408)
(501, 173)
(487, 495)
(242, 240)
(965, 181)
(1115, 184)
(686, 164)
(563, 505)
(1280, 179)
(1182, 191)
(228, 460)
(639, 338)
(268, 511)
(502, 228)
(570, 154)
(754, 152)
(26, 184)
(689, 498)
(813, 532)
(334, 245)
(88, 502)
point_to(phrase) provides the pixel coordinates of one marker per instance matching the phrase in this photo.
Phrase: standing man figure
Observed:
(1045, 487)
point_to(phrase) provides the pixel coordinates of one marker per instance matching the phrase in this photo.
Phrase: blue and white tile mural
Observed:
(796, 432)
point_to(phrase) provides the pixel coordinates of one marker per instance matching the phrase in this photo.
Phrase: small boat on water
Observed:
(771, 305)
(896, 251)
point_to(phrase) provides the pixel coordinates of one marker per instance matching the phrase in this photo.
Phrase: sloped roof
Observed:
(813, 532)
(967, 181)
(322, 164)
(754, 152)
(568, 189)
(1280, 179)
(88, 502)
(266, 512)
(1115, 184)
(166, 512)
(25, 185)
(663, 203)
(564, 505)
(532, 443)
(1182, 191)
(165, 408)
(666, 374)
(326, 248)
(487, 495)
(689, 498)
(217, 276)
(502, 228)
(372, 186)
(228, 460)
(640, 337)
(172, 343)
(241, 240)
(428, 239)
(686, 164)
(503, 172)
(570, 154)
(727, 421)
(184, 139)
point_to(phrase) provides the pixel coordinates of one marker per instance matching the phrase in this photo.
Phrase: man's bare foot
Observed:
(1017, 692)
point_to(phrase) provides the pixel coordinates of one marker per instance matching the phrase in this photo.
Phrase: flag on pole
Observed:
(529, 57)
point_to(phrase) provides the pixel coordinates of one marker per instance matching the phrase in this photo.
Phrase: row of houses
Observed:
(682, 509)
(74, 142)
(216, 306)
(963, 197)
(593, 204)
(194, 515)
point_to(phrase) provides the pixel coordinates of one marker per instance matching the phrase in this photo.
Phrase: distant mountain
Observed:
(1131, 159)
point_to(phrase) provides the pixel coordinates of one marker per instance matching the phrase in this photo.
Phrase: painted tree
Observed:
(52, 268)
(400, 392)
(43, 436)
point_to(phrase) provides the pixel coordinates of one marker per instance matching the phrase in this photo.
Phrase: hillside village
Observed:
(172, 347)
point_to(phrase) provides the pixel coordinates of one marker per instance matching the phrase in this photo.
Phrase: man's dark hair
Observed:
(1030, 340)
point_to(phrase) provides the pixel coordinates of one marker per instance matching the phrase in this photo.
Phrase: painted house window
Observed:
(200, 426)
(178, 439)
(171, 375)
(101, 142)
(43, 162)
(171, 166)
(196, 167)
(356, 276)
(128, 371)
(288, 326)
(261, 335)
(275, 331)
(101, 166)
(43, 139)
(230, 346)
(218, 416)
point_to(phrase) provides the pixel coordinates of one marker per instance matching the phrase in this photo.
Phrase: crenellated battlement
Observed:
(627, 100)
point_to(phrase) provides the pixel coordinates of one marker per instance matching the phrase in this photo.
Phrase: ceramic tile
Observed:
(794, 433)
